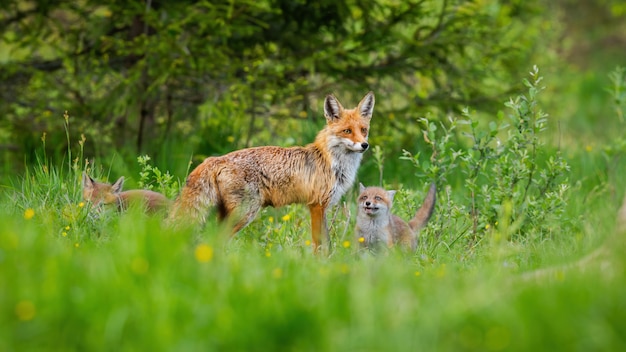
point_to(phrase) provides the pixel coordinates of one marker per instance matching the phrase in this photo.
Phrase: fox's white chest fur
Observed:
(344, 166)
(374, 230)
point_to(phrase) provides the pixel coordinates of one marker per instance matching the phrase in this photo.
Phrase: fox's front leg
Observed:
(319, 231)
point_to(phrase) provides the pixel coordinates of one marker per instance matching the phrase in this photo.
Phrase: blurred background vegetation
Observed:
(520, 195)
(181, 80)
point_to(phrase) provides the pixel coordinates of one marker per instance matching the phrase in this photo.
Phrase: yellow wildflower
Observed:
(344, 268)
(67, 228)
(64, 234)
(346, 244)
(286, 217)
(29, 213)
(81, 204)
(277, 273)
(25, 310)
(204, 253)
(361, 239)
(140, 265)
(307, 243)
(271, 219)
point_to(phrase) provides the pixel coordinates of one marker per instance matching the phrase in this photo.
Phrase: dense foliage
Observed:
(208, 76)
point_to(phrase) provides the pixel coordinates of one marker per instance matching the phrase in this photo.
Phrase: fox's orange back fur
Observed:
(240, 183)
(376, 224)
(99, 193)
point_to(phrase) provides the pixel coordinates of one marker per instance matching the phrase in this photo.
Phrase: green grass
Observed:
(150, 288)
(129, 282)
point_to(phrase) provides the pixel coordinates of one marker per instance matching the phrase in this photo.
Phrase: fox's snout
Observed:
(358, 147)
(370, 208)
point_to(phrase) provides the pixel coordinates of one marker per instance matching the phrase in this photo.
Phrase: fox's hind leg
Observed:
(245, 220)
(238, 208)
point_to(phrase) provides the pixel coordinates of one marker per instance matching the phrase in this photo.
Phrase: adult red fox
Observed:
(99, 193)
(376, 225)
(240, 183)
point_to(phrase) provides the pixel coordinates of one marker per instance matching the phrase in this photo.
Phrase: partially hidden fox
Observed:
(99, 193)
(376, 225)
(242, 182)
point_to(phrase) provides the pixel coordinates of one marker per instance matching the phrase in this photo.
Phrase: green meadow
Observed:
(525, 250)
(78, 279)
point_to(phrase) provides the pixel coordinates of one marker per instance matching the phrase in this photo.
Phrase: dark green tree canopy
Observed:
(145, 74)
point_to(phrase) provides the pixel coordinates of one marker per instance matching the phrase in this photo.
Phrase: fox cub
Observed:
(377, 226)
(242, 182)
(99, 193)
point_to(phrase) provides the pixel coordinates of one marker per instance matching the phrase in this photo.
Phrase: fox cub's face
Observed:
(375, 201)
(349, 128)
(101, 193)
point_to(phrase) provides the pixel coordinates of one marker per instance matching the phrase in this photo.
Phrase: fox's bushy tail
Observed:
(196, 197)
(424, 213)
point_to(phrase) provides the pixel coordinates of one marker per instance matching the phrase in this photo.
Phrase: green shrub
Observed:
(511, 185)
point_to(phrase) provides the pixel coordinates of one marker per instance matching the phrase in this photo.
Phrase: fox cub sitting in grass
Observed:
(99, 193)
(375, 225)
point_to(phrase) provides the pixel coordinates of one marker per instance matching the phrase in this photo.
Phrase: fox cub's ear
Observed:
(391, 194)
(361, 187)
(88, 182)
(117, 186)
(332, 108)
(366, 106)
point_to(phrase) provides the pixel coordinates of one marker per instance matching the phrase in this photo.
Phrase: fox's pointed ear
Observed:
(117, 186)
(366, 106)
(391, 194)
(332, 108)
(361, 187)
(88, 182)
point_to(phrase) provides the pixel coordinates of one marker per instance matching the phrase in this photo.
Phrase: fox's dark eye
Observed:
(364, 198)
(364, 131)
(347, 131)
(378, 198)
